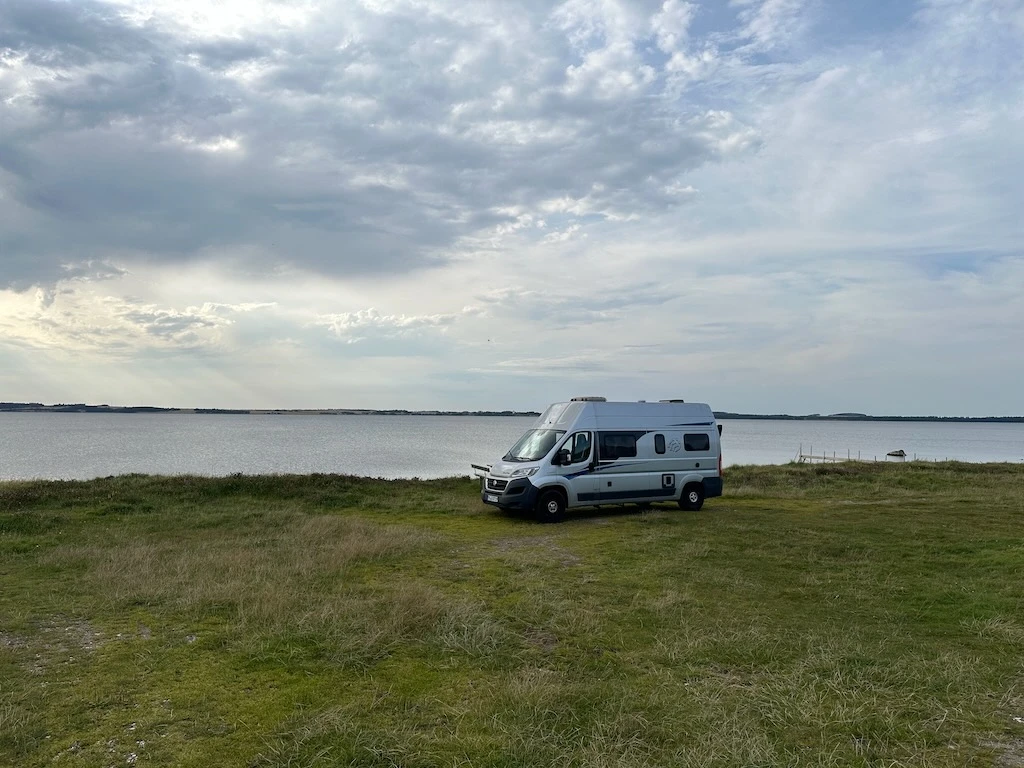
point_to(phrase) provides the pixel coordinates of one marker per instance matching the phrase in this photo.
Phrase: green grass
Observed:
(846, 615)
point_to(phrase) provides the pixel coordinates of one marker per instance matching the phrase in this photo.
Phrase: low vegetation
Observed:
(844, 615)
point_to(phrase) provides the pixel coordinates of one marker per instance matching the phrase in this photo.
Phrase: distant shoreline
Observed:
(83, 408)
(866, 417)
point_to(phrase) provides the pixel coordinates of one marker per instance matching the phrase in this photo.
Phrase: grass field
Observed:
(846, 615)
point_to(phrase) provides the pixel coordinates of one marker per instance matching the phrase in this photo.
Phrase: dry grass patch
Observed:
(529, 551)
(260, 573)
(278, 591)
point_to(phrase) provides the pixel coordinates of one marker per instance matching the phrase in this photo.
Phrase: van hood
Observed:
(506, 468)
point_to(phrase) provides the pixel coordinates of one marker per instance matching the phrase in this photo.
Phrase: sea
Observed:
(88, 445)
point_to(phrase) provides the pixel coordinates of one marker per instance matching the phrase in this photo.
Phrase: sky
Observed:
(802, 206)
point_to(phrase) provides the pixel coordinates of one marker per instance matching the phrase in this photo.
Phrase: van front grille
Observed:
(496, 485)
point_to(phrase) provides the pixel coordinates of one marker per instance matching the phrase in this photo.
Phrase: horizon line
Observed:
(34, 407)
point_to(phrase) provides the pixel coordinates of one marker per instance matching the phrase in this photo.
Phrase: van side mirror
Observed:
(563, 457)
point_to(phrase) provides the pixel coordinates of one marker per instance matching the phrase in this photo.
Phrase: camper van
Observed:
(589, 452)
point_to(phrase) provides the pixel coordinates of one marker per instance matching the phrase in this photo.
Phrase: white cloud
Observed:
(84, 320)
(561, 236)
(770, 24)
(671, 24)
(364, 324)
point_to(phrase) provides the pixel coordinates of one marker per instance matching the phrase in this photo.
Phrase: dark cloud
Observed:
(369, 143)
(222, 54)
(159, 322)
(62, 34)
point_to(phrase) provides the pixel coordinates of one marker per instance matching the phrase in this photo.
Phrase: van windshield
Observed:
(534, 445)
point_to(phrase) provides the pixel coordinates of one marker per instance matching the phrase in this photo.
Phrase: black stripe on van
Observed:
(656, 493)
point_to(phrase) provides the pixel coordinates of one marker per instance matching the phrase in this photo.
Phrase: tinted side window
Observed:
(580, 446)
(697, 442)
(659, 443)
(618, 445)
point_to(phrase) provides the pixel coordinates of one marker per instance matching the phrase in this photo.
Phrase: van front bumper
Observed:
(517, 494)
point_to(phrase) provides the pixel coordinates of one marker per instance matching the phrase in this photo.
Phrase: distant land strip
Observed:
(866, 417)
(83, 408)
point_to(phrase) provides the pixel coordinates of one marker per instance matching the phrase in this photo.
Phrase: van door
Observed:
(579, 472)
(628, 470)
(700, 453)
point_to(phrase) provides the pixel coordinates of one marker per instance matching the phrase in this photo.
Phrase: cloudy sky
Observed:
(768, 205)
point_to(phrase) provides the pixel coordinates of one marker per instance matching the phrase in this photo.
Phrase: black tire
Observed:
(693, 497)
(550, 507)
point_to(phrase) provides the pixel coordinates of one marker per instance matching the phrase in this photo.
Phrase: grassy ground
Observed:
(848, 615)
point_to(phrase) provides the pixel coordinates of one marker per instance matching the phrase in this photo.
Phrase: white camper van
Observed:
(589, 452)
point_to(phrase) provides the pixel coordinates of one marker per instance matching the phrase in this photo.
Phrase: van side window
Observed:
(618, 445)
(580, 448)
(697, 442)
(659, 443)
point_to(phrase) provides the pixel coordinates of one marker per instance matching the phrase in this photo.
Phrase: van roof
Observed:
(625, 415)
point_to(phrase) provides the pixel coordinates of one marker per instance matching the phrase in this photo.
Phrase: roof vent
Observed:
(672, 401)
(590, 399)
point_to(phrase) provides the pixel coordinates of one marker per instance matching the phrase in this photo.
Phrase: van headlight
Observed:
(524, 472)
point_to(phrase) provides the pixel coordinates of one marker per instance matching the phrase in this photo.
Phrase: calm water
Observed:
(80, 446)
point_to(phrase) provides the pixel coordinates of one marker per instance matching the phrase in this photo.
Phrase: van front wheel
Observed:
(692, 498)
(550, 507)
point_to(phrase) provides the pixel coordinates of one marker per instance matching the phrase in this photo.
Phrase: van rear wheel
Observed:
(550, 507)
(693, 497)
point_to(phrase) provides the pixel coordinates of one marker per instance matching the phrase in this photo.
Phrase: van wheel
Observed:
(550, 507)
(692, 498)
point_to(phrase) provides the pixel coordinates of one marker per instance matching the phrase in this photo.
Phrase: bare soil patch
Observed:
(538, 544)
